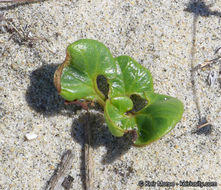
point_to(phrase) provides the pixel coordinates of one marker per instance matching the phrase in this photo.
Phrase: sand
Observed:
(170, 38)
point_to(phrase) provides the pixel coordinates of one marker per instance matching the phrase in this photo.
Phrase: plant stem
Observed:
(101, 102)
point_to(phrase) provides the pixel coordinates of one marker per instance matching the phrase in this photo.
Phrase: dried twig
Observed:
(57, 179)
(217, 50)
(203, 125)
(67, 182)
(19, 34)
(206, 63)
(16, 1)
(87, 155)
(83, 104)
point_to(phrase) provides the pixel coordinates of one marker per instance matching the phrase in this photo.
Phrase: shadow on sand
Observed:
(42, 97)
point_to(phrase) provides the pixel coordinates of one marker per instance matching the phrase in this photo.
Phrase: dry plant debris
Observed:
(58, 178)
(19, 34)
(17, 1)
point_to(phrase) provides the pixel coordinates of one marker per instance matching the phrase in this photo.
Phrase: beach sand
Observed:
(170, 38)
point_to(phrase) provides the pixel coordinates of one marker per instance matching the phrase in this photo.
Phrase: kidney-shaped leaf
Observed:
(132, 78)
(157, 118)
(85, 61)
(114, 113)
(151, 123)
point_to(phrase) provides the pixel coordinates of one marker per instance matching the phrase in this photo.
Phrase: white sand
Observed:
(158, 34)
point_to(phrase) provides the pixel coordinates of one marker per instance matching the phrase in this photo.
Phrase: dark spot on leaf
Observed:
(103, 85)
(138, 102)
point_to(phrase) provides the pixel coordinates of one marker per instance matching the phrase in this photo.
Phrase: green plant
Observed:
(128, 81)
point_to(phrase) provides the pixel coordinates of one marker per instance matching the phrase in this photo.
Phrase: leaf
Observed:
(132, 78)
(114, 113)
(151, 123)
(76, 77)
(131, 104)
(158, 118)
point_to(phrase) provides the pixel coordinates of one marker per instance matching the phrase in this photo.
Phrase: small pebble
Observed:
(30, 136)
(212, 78)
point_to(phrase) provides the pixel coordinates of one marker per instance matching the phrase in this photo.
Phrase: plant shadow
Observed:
(100, 136)
(42, 95)
(43, 98)
(199, 8)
